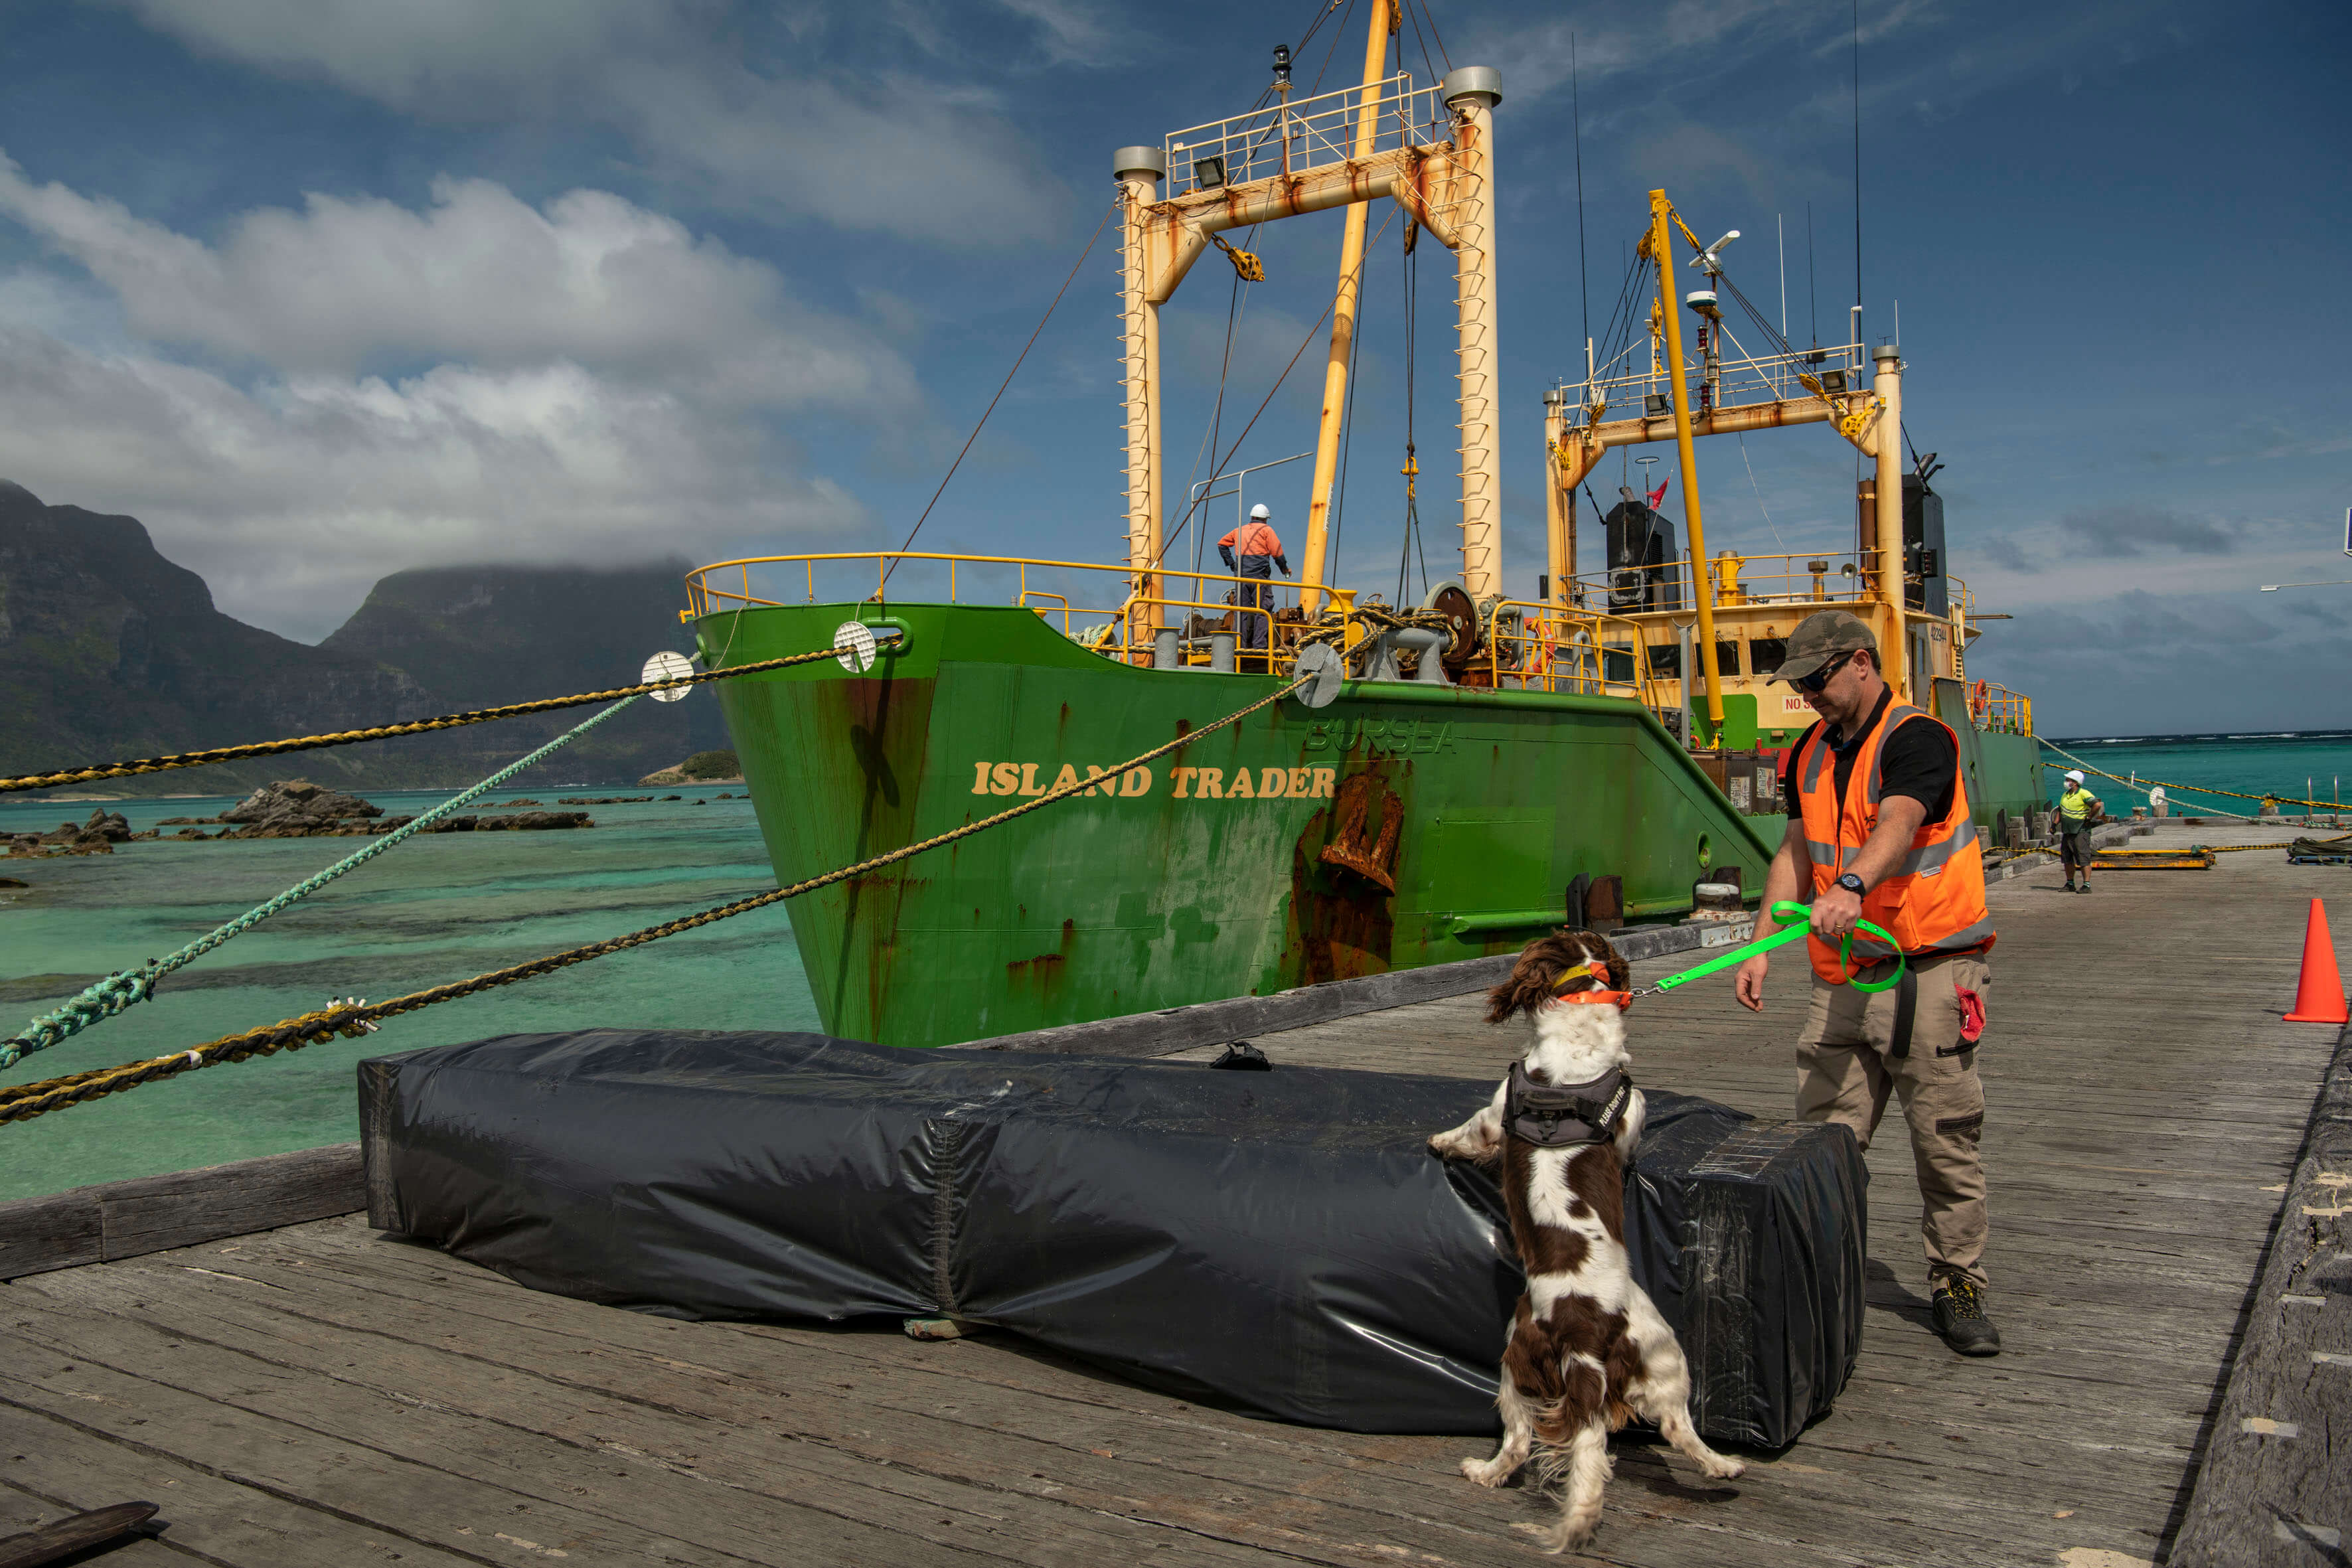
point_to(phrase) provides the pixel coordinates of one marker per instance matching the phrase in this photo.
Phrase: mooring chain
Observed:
(412, 727)
(353, 1019)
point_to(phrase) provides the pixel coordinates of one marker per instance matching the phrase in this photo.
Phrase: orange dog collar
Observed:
(1624, 999)
(1590, 971)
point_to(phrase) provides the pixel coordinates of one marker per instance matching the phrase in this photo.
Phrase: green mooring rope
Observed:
(120, 992)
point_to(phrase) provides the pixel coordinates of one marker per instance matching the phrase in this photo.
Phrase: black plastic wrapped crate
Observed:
(1281, 1243)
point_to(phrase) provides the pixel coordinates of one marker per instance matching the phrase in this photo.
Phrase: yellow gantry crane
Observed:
(1429, 148)
(1796, 391)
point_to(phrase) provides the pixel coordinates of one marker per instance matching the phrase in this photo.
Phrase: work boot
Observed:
(2070, 884)
(1960, 1319)
(2085, 887)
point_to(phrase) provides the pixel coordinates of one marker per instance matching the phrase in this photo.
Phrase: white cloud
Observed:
(585, 382)
(1919, 57)
(293, 499)
(1072, 32)
(881, 150)
(479, 276)
(441, 53)
(1678, 40)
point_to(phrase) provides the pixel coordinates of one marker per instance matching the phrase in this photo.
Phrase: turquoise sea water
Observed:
(2304, 763)
(436, 909)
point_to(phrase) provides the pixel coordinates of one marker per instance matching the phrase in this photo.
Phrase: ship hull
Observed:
(2003, 768)
(1202, 875)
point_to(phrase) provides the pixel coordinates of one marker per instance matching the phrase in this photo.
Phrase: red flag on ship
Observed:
(1660, 493)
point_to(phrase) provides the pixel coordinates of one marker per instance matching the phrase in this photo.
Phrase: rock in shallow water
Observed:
(288, 808)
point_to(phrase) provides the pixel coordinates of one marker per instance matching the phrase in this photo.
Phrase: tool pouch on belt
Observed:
(1972, 1016)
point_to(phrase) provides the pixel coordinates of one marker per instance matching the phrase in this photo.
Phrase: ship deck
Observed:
(320, 1394)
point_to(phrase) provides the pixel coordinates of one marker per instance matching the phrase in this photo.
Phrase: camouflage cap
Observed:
(1820, 639)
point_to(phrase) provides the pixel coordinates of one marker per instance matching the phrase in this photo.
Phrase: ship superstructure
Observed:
(1710, 628)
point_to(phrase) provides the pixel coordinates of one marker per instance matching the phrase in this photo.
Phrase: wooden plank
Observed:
(74, 1534)
(1369, 1463)
(785, 1367)
(2275, 1486)
(411, 1466)
(64, 1230)
(1181, 1473)
(61, 1465)
(900, 1470)
(151, 1214)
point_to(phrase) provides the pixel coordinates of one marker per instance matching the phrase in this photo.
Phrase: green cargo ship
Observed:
(1402, 825)
(1609, 749)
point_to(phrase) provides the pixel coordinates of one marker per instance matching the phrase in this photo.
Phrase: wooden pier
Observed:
(319, 1395)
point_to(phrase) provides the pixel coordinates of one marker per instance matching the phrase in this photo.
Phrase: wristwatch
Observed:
(1852, 884)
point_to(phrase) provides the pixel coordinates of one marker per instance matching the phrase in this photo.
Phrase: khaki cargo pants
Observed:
(1845, 1069)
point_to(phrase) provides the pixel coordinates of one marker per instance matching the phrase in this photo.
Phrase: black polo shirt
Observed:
(1918, 759)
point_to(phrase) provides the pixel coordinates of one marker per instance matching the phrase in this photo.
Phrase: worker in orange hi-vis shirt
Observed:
(1254, 550)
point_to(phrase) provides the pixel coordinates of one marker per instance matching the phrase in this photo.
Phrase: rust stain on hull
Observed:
(1342, 919)
(1348, 850)
(1045, 972)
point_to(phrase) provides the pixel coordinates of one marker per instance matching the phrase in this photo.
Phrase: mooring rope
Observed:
(120, 990)
(354, 1017)
(413, 727)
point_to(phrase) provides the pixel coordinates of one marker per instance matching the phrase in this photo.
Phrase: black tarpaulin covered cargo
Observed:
(1281, 1243)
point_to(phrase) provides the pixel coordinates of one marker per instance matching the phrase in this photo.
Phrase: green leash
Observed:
(1802, 916)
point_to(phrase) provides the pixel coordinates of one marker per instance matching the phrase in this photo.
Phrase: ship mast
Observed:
(1343, 320)
(1662, 251)
(1471, 93)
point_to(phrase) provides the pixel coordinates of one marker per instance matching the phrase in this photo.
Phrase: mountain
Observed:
(110, 651)
(478, 637)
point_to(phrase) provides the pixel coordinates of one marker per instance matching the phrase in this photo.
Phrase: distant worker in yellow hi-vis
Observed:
(2079, 811)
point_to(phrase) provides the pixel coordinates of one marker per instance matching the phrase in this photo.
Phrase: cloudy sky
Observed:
(324, 288)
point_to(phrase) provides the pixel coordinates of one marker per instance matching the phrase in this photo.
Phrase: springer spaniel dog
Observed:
(1588, 1349)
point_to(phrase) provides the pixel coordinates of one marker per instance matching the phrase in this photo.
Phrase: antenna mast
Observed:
(1576, 112)
(1857, 165)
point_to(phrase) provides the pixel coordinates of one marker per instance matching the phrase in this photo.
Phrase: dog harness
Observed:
(1565, 1116)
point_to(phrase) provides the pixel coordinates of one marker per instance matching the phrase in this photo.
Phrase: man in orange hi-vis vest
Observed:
(1254, 550)
(1879, 829)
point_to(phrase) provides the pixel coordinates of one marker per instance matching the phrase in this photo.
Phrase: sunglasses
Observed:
(1813, 684)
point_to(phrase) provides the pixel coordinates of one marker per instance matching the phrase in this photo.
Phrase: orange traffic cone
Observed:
(2319, 996)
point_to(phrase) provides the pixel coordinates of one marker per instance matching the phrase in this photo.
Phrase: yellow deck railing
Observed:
(1845, 578)
(1112, 610)
(1992, 706)
(1119, 614)
(1531, 647)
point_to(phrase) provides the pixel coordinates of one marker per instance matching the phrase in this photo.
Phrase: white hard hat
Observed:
(1259, 510)
(2074, 776)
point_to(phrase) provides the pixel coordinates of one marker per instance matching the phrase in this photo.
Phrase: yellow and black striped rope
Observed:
(22, 1102)
(413, 727)
(2144, 785)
